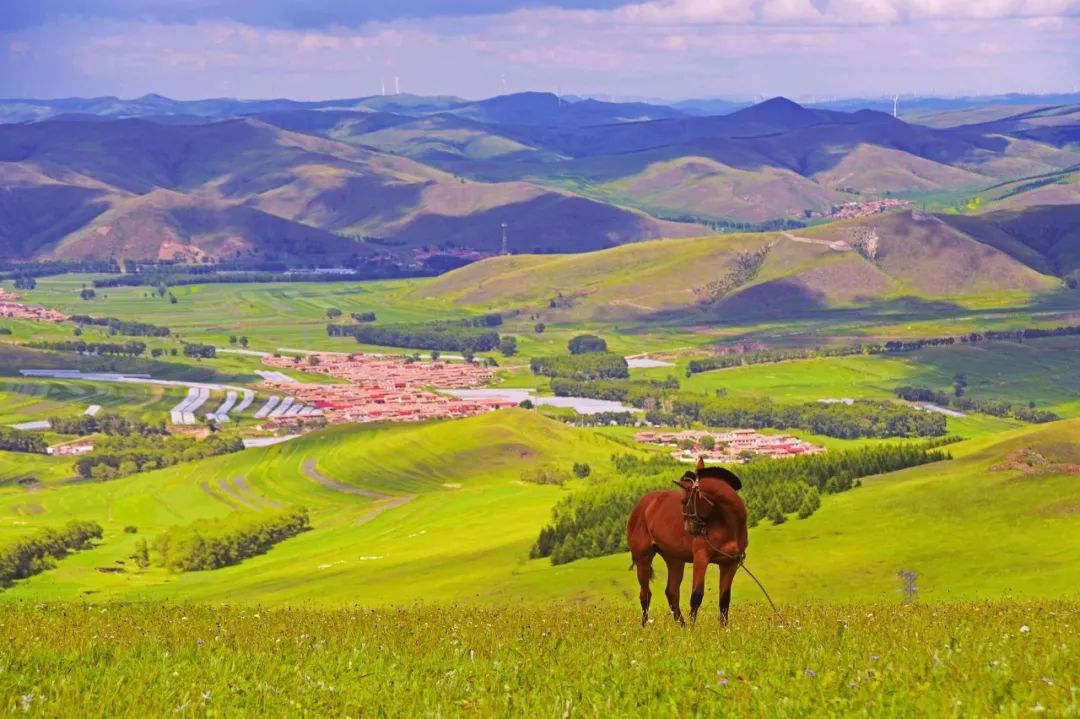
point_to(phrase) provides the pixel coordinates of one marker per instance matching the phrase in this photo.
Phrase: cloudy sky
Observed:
(309, 49)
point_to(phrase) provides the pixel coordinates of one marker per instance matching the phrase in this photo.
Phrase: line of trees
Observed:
(443, 336)
(638, 393)
(588, 366)
(892, 347)
(215, 543)
(119, 456)
(14, 440)
(26, 556)
(996, 408)
(863, 418)
(110, 424)
(592, 521)
(204, 351)
(123, 327)
(125, 349)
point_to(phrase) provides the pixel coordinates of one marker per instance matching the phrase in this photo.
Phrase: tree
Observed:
(583, 344)
(539, 328)
(776, 514)
(313, 360)
(525, 404)
(87, 294)
(508, 346)
(333, 313)
(582, 470)
(141, 555)
(708, 442)
(244, 342)
(468, 355)
(232, 339)
(435, 355)
(172, 299)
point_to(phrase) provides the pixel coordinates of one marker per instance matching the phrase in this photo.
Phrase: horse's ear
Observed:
(700, 465)
(686, 482)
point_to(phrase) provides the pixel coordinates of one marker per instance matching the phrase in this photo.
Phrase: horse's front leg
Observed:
(701, 563)
(727, 575)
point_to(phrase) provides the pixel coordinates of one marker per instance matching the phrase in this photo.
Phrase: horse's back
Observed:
(638, 534)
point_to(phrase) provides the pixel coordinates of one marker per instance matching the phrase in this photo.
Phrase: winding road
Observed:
(311, 471)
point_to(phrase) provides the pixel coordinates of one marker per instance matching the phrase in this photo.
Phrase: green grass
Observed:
(26, 399)
(563, 661)
(1040, 371)
(470, 525)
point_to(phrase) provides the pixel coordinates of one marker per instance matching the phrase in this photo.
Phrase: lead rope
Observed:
(742, 564)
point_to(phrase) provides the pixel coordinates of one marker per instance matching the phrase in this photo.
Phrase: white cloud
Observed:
(666, 48)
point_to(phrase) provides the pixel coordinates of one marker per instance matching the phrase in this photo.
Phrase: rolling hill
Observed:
(852, 263)
(393, 174)
(149, 191)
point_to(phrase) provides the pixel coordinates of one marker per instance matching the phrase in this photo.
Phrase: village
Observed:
(866, 208)
(733, 447)
(380, 388)
(10, 306)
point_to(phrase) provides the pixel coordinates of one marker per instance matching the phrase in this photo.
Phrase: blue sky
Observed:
(671, 49)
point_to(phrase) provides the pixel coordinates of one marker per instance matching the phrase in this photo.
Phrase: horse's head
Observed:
(710, 495)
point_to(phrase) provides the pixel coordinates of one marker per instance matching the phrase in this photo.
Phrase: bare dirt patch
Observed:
(1030, 462)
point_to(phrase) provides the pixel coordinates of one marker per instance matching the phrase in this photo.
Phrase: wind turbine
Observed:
(397, 85)
(382, 83)
(504, 239)
(895, 105)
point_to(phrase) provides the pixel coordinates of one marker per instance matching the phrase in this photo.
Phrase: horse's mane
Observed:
(722, 474)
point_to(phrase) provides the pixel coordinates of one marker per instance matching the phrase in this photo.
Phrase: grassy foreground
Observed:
(560, 661)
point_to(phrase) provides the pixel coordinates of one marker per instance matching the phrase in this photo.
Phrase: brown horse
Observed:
(703, 524)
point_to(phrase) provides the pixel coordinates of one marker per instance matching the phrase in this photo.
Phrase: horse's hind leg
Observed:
(675, 570)
(643, 564)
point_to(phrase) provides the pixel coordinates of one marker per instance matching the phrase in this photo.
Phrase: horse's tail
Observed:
(650, 570)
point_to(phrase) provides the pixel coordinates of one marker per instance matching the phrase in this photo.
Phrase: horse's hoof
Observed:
(644, 620)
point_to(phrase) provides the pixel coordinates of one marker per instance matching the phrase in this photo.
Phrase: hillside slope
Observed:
(232, 175)
(460, 521)
(845, 264)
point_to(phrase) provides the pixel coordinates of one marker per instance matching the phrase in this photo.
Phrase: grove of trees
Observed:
(26, 556)
(214, 543)
(592, 522)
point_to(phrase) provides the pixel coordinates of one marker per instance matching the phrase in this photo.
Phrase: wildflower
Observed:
(810, 673)
(1047, 682)
(1024, 629)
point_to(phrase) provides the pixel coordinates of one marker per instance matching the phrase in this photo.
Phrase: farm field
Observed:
(975, 659)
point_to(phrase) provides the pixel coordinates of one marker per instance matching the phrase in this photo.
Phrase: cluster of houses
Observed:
(10, 306)
(734, 447)
(385, 388)
(860, 209)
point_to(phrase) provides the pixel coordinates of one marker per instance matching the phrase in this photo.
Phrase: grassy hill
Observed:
(807, 270)
(966, 526)
(469, 523)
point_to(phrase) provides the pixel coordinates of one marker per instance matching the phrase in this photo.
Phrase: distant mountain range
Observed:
(322, 182)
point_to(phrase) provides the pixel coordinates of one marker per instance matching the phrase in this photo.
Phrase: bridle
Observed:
(693, 521)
